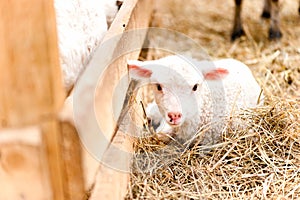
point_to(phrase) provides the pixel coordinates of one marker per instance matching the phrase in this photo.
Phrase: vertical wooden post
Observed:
(31, 90)
(30, 78)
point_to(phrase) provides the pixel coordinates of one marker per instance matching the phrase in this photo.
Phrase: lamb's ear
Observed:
(136, 71)
(216, 74)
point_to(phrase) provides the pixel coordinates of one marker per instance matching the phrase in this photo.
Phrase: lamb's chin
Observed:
(174, 125)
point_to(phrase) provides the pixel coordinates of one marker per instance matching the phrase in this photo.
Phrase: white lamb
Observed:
(194, 94)
(81, 25)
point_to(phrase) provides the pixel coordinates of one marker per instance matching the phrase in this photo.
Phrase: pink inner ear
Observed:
(216, 74)
(142, 72)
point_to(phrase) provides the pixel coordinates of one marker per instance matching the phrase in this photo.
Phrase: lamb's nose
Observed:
(174, 115)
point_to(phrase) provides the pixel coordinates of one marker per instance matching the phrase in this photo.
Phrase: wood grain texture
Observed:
(53, 155)
(31, 93)
(22, 168)
(30, 78)
(72, 160)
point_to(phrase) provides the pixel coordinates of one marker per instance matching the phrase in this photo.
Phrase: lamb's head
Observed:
(176, 84)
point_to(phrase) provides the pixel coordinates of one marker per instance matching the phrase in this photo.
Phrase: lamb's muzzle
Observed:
(174, 118)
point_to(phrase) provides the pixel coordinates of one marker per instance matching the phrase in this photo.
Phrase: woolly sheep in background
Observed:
(81, 25)
(192, 94)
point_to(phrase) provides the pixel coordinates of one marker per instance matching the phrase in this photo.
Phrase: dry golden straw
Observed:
(261, 160)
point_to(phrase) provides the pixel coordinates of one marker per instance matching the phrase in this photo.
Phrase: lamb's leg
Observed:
(267, 9)
(274, 32)
(237, 28)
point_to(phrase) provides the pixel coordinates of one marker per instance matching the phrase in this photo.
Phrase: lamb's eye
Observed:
(195, 87)
(159, 88)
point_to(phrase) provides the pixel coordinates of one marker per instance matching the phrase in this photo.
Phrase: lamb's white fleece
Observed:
(81, 25)
(223, 88)
(111, 9)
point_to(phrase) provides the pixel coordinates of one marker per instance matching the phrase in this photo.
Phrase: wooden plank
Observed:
(23, 160)
(31, 90)
(108, 101)
(22, 169)
(89, 163)
(72, 160)
(113, 84)
(113, 174)
(30, 78)
(112, 183)
(52, 141)
(62, 153)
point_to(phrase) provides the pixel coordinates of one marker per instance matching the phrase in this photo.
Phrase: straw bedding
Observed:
(260, 160)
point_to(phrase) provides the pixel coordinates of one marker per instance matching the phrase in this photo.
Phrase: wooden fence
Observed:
(40, 154)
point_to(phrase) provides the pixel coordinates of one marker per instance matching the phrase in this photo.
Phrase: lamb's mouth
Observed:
(174, 123)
